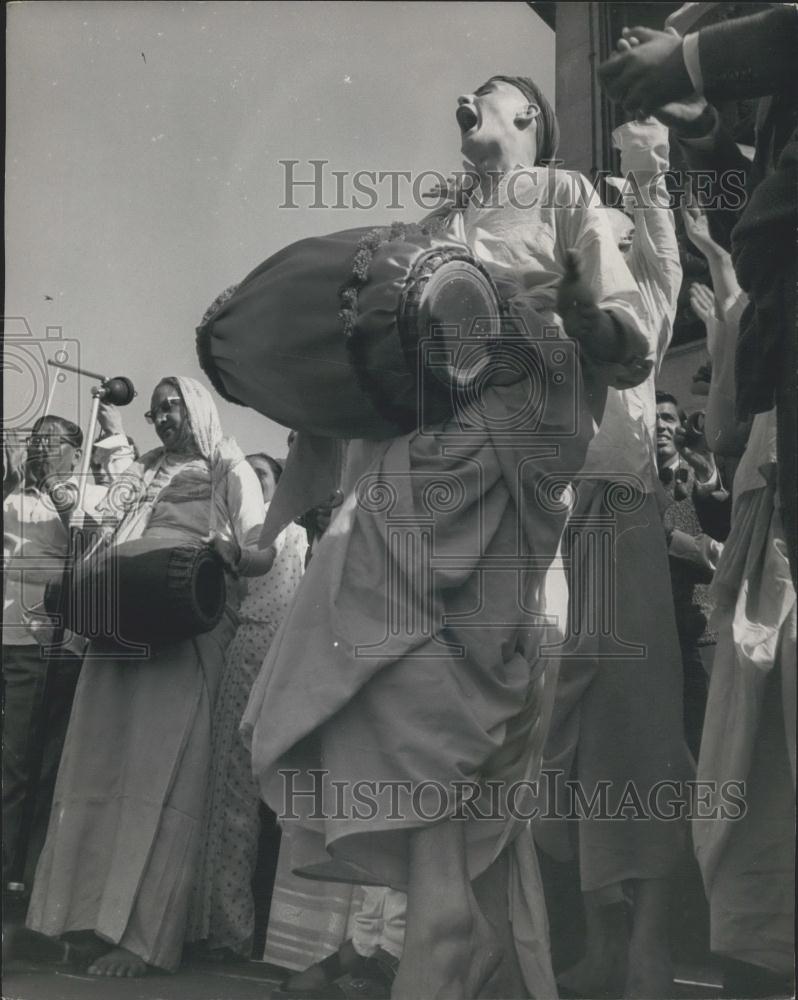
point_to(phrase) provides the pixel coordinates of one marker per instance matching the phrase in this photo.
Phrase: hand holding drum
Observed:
(228, 552)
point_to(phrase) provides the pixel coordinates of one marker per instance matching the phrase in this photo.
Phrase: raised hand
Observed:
(690, 117)
(702, 302)
(697, 228)
(110, 420)
(649, 74)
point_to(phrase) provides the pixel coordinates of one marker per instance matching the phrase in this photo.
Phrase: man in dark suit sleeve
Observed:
(742, 58)
(673, 78)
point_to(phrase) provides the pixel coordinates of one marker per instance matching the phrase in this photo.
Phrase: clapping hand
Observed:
(702, 302)
(696, 226)
(647, 75)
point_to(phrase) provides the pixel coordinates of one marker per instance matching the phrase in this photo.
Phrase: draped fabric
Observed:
(203, 416)
(133, 495)
(308, 920)
(127, 810)
(458, 686)
(746, 855)
(222, 909)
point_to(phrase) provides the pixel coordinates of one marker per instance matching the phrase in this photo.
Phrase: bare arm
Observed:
(724, 433)
(724, 281)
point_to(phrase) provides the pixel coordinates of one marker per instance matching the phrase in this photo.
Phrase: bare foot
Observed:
(459, 961)
(118, 962)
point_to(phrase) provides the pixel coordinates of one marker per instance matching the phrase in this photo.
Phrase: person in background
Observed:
(41, 492)
(747, 857)
(114, 878)
(308, 919)
(14, 457)
(695, 518)
(617, 719)
(222, 913)
(366, 963)
(673, 78)
(268, 470)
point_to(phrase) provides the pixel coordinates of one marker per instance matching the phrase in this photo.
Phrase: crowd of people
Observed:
(652, 674)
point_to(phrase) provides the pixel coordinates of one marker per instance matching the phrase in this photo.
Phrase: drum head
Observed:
(454, 309)
(146, 590)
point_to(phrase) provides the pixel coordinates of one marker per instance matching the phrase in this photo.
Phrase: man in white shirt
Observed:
(617, 715)
(36, 516)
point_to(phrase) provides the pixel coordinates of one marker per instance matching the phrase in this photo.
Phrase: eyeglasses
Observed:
(50, 441)
(166, 406)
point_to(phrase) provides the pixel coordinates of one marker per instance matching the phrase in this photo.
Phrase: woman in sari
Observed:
(222, 912)
(126, 820)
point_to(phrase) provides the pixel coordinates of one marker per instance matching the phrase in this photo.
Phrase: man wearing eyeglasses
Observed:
(36, 515)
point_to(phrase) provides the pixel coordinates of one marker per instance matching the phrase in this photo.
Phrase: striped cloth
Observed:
(308, 920)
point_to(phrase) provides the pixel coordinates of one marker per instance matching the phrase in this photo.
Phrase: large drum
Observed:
(361, 334)
(142, 591)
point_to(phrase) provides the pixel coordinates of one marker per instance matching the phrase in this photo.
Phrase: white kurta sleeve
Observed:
(245, 505)
(586, 228)
(115, 454)
(654, 257)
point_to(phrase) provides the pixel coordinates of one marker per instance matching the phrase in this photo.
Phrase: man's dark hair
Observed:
(70, 431)
(668, 397)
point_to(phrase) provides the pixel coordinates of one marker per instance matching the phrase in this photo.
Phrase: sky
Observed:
(143, 171)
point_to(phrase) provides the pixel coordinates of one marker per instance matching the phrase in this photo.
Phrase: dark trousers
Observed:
(31, 728)
(696, 661)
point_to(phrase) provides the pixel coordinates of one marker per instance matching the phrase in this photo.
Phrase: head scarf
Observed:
(548, 133)
(205, 431)
(127, 497)
(203, 418)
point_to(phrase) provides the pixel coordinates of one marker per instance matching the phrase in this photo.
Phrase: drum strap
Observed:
(134, 522)
(134, 525)
(212, 513)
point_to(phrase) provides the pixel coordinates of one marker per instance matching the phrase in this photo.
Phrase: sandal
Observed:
(371, 981)
(333, 967)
